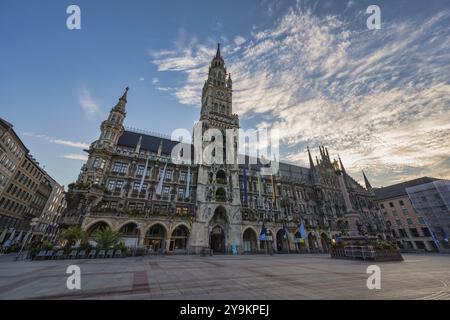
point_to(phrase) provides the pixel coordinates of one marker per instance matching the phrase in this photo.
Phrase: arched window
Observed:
(221, 195)
(221, 177)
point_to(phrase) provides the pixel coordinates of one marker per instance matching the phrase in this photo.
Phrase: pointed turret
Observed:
(218, 52)
(229, 82)
(366, 181)
(120, 106)
(311, 162)
(341, 165)
(160, 147)
(138, 145)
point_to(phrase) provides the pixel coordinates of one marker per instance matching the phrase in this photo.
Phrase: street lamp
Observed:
(33, 223)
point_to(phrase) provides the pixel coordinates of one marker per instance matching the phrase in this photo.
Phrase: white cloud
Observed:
(239, 40)
(381, 100)
(90, 107)
(75, 156)
(141, 79)
(69, 143)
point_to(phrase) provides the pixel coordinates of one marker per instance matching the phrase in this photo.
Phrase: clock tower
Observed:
(217, 223)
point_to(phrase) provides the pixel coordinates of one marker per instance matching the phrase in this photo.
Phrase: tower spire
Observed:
(218, 51)
(311, 162)
(120, 106)
(366, 181)
(341, 165)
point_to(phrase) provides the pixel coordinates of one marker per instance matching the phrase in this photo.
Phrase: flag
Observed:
(433, 236)
(273, 190)
(161, 181)
(263, 233)
(260, 196)
(245, 187)
(286, 232)
(13, 233)
(25, 239)
(445, 236)
(302, 231)
(143, 175)
(187, 193)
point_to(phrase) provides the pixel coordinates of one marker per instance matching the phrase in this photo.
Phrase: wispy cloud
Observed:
(75, 156)
(68, 143)
(239, 40)
(90, 107)
(379, 99)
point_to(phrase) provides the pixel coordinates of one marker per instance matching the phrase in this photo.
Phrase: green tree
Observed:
(107, 238)
(73, 234)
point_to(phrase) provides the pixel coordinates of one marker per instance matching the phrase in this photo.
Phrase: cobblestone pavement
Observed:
(227, 277)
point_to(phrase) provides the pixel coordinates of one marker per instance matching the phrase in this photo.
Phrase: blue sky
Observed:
(379, 98)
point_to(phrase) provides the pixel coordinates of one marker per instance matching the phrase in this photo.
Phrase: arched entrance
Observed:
(267, 245)
(178, 240)
(217, 240)
(95, 227)
(155, 238)
(312, 241)
(250, 240)
(325, 243)
(218, 227)
(130, 234)
(280, 240)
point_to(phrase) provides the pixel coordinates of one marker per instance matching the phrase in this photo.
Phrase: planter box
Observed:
(366, 253)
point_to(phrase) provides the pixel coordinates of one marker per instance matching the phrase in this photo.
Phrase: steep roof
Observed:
(399, 189)
(149, 142)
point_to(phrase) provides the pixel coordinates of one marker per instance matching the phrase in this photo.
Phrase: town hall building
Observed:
(131, 183)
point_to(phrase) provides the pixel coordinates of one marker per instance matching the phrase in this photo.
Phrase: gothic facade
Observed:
(131, 184)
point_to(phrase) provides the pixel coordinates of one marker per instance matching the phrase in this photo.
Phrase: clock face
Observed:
(220, 93)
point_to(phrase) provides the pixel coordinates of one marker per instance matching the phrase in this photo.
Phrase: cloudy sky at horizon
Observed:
(310, 69)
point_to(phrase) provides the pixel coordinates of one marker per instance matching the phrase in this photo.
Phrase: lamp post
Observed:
(33, 223)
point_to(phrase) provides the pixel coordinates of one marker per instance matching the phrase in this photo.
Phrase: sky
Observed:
(311, 69)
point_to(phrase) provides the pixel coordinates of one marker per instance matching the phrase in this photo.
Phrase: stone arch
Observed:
(179, 237)
(218, 230)
(130, 233)
(92, 227)
(280, 241)
(250, 240)
(155, 237)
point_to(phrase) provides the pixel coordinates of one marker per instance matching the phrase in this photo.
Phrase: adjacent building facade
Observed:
(25, 188)
(131, 183)
(432, 202)
(407, 226)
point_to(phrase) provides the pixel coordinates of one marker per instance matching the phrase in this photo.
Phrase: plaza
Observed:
(260, 277)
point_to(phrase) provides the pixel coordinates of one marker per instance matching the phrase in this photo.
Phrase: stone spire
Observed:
(366, 181)
(120, 106)
(218, 51)
(229, 82)
(138, 145)
(160, 147)
(311, 162)
(341, 165)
